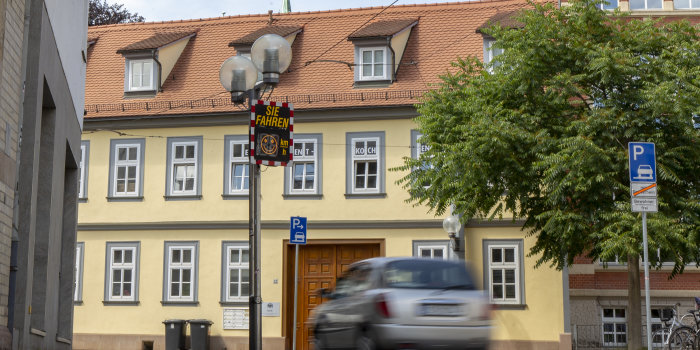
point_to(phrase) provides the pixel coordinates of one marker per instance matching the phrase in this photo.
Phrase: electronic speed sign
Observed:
(272, 131)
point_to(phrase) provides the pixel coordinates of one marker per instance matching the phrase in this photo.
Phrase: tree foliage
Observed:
(100, 13)
(542, 134)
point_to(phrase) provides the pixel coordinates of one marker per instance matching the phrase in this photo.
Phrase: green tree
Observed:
(100, 13)
(541, 134)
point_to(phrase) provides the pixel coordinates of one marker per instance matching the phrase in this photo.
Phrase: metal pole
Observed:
(296, 287)
(255, 302)
(646, 277)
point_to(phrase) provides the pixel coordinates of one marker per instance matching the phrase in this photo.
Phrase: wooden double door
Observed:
(319, 266)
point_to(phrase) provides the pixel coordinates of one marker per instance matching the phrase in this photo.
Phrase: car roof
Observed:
(380, 261)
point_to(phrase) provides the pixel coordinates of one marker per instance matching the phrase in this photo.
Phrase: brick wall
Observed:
(618, 280)
(11, 43)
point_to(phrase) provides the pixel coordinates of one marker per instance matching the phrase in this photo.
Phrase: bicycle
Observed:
(686, 337)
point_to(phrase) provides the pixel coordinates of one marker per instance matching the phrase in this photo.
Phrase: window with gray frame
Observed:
(365, 163)
(646, 4)
(78, 289)
(84, 162)
(373, 63)
(491, 51)
(431, 249)
(417, 149)
(614, 327)
(121, 282)
(126, 164)
(184, 169)
(140, 75)
(236, 165)
(180, 272)
(235, 272)
(686, 4)
(303, 177)
(503, 272)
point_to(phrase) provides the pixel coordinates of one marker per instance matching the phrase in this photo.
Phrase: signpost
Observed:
(297, 236)
(642, 162)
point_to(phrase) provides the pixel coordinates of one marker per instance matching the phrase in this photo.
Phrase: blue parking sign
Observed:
(297, 230)
(642, 156)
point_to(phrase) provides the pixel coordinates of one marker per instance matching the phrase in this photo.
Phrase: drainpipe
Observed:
(160, 69)
(393, 60)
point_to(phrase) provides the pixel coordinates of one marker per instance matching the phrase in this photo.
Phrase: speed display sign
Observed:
(272, 130)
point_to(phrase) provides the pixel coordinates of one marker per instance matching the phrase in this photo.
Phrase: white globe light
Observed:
(451, 224)
(271, 53)
(238, 74)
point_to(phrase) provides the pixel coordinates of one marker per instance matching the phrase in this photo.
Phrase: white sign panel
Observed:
(236, 318)
(643, 189)
(645, 204)
(271, 309)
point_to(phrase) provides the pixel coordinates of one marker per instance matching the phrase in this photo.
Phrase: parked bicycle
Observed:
(678, 333)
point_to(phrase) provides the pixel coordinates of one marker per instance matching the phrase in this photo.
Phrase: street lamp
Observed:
(271, 54)
(451, 225)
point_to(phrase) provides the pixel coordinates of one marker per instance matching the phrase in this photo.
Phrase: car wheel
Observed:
(365, 342)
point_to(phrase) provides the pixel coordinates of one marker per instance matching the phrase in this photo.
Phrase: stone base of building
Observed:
(531, 344)
(157, 342)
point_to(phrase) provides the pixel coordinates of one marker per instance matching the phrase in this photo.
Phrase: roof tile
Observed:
(155, 41)
(383, 28)
(250, 38)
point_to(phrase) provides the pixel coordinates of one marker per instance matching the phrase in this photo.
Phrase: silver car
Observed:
(403, 303)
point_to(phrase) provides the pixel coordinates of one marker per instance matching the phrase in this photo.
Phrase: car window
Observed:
(355, 280)
(426, 274)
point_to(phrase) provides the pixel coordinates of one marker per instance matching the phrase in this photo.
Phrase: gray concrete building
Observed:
(42, 74)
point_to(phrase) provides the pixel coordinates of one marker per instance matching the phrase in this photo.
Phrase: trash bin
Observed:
(199, 334)
(175, 334)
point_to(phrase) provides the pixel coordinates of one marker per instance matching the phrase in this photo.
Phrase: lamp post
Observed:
(451, 225)
(270, 54)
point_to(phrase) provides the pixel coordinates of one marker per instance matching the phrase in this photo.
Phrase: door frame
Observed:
(288, 276)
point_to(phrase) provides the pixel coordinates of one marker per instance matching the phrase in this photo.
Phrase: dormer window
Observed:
(148, 62)
(373, 61)
(140, 75)
(379, 47)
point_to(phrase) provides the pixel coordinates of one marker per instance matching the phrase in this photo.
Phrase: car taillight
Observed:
(382, 306)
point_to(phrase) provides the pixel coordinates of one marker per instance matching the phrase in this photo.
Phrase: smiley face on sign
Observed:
(269, 144)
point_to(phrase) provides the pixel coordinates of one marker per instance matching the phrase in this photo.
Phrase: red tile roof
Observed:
(318, 77)
(250, 38)
(155, 41)
(503, 19)
(383, 28)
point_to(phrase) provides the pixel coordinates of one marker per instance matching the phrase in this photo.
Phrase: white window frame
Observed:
(303, 159)
(432, 249)
(490, 52)
(690, 6)
(366, 159)
(243, 161)
(174, 162)
(127, 164)
(170, 266)
(656, 321)
(82, 184)
(503, 266)
(385, 65)
(417, 150)
(646, 6)
(78, 281)
(602, 6)
(243, 270)
(615, 321)
(130, 63)
(122, 266)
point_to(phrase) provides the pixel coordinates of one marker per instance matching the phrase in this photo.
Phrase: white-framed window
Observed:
(373, 63)
(504, 271)
(686, 4)
(433, 251)
(614, 327)
(126, 170)
(181, 271)
(84, 161)
(122, 271)
(491, 51)
(365, 161)
(608, 5)
(646, 4)
(184, 166)
(417, 149)
(656, 324)
(78, 280)
(304, 174)
(239, 163)
(236, 283)
(140, 75)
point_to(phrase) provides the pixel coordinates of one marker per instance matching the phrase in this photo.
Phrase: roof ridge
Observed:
(290, 14)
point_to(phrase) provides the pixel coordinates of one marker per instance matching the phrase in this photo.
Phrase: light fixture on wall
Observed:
(451, 225)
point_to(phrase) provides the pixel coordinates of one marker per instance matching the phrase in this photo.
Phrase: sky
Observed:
(167, 10)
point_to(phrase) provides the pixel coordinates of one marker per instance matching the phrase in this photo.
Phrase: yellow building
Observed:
(163, 220)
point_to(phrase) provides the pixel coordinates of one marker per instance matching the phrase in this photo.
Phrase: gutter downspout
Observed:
(393, 59)
(160, 69)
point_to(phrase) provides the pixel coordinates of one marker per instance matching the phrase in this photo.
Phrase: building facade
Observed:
(42, 93)
(163, 219)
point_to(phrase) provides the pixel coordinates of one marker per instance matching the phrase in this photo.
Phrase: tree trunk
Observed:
(634, 306)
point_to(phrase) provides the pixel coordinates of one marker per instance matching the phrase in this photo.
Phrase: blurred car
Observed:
(403, 303)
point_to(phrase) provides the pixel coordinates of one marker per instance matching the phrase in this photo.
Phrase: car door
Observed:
(354, 305)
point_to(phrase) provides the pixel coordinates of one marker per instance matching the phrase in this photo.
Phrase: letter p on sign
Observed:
(637, 150)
